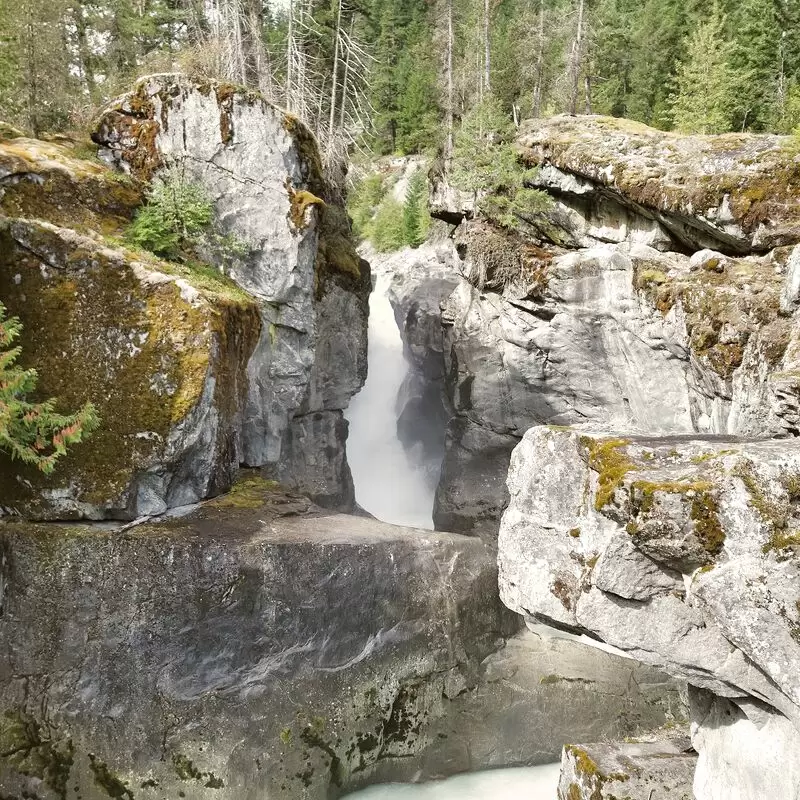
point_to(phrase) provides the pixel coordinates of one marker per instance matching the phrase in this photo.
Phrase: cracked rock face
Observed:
(261, 168)
(634, 770)
(619, 335)
(192, 374)
(260, 648)
(163, 361)
(684, 553)
(732, 192)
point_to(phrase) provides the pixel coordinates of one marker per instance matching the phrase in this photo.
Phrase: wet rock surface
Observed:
(259, 647)
(682, 552)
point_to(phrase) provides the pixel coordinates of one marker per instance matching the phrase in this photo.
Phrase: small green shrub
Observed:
(387, 227)
(33, 432)
(484, 163)
(416, 218)
(177, 216)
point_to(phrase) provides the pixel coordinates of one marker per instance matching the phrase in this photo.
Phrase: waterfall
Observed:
(387, 484)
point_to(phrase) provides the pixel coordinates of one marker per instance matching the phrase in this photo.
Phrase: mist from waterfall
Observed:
(388, 485)
(521, 783)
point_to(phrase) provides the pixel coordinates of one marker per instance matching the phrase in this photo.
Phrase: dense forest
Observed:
(401, 76)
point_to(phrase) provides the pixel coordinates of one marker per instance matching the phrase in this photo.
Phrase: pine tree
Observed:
(613, 56)
(754, 64)
(702, 101)
(416, 219)
(659, 30)
(34, 433)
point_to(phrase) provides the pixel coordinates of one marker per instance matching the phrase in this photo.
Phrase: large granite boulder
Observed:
(261, 167)
(257, 647)
(195, 369)
(163, 361)
(634, 770)
(681, 551)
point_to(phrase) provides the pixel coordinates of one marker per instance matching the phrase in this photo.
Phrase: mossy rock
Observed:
(140, 344)
(58, 183)
(753, 177)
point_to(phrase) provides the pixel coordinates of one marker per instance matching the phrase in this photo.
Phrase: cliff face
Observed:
(609, 308)
(684, 553)
(635, 345)
(251, 361)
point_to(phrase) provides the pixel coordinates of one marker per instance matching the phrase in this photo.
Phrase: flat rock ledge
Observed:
(257, 647)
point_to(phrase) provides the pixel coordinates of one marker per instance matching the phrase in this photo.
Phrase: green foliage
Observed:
(177, 216)
(702, 101)
(388, 232)
(416, 218)
(482, 156)
(386, 223)
(404, 77)
(754, 60)
(363, 202)
(34, 433)
(485, 164)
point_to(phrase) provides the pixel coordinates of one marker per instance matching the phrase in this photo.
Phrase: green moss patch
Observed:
(611, 465)
(249, 491)
(98, 328)
(32, 748)
(56, 184)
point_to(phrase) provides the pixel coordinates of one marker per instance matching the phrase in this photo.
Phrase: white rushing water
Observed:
(387, 484)
(522, 783)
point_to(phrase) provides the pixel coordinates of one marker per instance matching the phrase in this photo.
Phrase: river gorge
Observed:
(508, 514)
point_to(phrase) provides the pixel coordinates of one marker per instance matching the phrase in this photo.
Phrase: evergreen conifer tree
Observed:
(754, 64)
(34, 433)
(702, 100)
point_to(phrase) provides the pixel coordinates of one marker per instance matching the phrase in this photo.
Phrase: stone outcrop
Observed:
(103, 325)
(422, 279)
(681, 551)
(250, 360)
(634, 770)
(657, 293)
(734, 192)
(258, 647)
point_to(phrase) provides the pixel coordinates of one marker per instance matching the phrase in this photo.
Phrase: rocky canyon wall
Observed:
(249, 359)
(635, 345)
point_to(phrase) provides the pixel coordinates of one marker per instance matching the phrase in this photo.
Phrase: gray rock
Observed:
(646, 770)
(724, 193)
(255, 648)
(422, 280)
(257, 165)
(745, 750)
(598, 531)
(471, 493)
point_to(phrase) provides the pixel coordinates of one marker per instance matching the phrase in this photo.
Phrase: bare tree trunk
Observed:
(289, 92)
(334, 79)
(486, 49)
(587, 84)
(538, 87)
(252, 44)
(346, 79)
(576, 59)
(450, 99)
